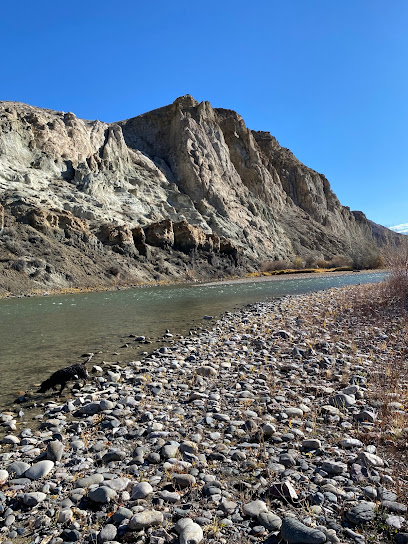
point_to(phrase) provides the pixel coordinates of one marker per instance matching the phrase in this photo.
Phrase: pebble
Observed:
(55, 450)
(270, 521)
(254, 508)
(361, 513)
(33, 498)
(107, 533)
(146, 519)
(141, 491)
(102, 494)
(39, 470)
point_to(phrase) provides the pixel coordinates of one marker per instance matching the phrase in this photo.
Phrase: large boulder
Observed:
(42, 220)
(188, 237)
(160, 234)
(119, 237)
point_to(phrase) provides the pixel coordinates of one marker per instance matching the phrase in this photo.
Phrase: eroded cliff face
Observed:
(92, 191)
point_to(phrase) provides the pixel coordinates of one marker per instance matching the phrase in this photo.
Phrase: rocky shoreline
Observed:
(265, 428)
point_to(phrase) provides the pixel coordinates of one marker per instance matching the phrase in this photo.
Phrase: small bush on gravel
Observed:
(18, 265)
(397, 282)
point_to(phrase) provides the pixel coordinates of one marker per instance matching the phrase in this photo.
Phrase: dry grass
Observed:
(376, 319)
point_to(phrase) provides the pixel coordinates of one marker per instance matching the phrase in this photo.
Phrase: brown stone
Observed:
(160, 234)
(43, 220)
(120, 237)
(188, 237)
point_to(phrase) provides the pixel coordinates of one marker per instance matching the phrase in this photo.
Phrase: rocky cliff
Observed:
(186, 190)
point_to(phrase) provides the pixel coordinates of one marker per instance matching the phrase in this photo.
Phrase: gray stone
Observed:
(39, 470)
(206, 371)
(370, 460)
(183, 480)
(254, 508)
(311, 444)
(106, 405)
(118, 484)
(370, 492)
(33, 498)
(341, 401)
(292, 412)
(396, 507)
(17, 468)
(334, 467)
(87, 481)
(55, 449)
(295, 532)
(287, 460)
(121, 514)
(112, 456)
(102, 494)
(66, 515)
(351, 443)
(283, 491)
(228, 507)
(191, 534)
(365, 415)
(361, 513)
(270, 521)
(395, 522)
(169, 451)
(145, 519)
(90, 409)
(107, 533)
(169, 496)
(188, 447)
(141, 490)
(4, 476)
(268, 430)
(10, 439)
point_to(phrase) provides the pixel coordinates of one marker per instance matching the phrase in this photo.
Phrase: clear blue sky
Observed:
(328, 78)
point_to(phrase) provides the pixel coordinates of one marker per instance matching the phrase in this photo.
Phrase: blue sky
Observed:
(328, 78)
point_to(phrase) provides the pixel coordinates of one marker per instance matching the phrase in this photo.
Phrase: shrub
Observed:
(297, 263)
(340, 261)
(271, 266)
(310, 261)
(396, 260)
(321, 263)
(14, 247)
(18, 265)
(114, 270)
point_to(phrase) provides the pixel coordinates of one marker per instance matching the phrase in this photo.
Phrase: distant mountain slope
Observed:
(184, 190)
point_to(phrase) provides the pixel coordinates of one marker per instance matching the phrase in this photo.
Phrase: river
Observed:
(41, 334)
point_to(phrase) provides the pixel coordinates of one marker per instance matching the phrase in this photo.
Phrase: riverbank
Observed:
(286, 421)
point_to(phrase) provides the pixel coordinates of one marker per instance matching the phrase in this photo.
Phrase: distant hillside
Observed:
(184, 191)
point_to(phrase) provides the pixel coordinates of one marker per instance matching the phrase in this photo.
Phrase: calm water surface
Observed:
(41, 334)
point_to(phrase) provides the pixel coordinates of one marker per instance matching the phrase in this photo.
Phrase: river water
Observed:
(41, 334)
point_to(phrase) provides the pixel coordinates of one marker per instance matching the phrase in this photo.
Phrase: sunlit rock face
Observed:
(198, 167)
